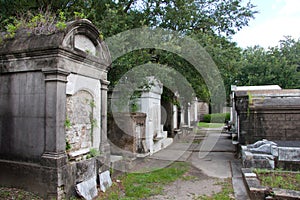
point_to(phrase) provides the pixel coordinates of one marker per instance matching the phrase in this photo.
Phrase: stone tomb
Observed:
(141, 131)
(271, 155)
(266, 114)
(150, 103)
(53, 95)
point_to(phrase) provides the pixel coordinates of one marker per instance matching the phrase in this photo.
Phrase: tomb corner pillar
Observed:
(55, 109)
(104, 145)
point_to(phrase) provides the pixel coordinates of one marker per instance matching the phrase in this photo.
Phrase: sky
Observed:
(276, 19)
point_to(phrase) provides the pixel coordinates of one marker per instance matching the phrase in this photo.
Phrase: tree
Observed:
(276, 65)
(208, 19)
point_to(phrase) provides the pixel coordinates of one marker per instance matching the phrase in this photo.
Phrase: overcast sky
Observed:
(276, 19)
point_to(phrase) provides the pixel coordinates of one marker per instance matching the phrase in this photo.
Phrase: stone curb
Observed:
(256, 191)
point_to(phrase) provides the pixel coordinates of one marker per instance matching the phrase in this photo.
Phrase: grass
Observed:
(210, 125)
(225, 194)
(132, 186)
(279, 179)
(142, 185)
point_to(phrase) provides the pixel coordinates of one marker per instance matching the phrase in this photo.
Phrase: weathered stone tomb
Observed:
(272, 114)
(53, 94)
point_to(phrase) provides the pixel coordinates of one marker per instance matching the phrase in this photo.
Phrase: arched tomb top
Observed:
(80, 37)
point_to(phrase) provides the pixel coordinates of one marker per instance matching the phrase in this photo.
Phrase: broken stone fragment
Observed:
(87, 189)
(105, 180)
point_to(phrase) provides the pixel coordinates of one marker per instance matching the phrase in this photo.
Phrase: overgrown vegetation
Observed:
(93, 121)
(42, 23)
(210, 22)
(93, 153)
(68, 145)
(67, 123)
(279, 179)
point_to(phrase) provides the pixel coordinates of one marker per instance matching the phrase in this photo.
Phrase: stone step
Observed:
(161, 144)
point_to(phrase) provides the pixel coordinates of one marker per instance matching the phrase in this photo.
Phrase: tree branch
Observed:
(128, 6)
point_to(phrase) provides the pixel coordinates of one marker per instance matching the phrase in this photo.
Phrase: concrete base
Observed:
(48, 182)
(161, 144)
(257, 191)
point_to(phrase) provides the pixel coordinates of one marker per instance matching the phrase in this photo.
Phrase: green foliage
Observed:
(11, 30)
(79, 15)
(134, 107)
(216, 117)
(67, 123)
(207, 118)
(61, 24)
(93, 121)
(273, 66)
(37, 24)
(68, 145)
(92, 104)
(206, 21)
(93, 153)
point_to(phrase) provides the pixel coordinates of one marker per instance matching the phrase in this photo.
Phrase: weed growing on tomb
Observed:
(61, 23)
(79, 15)
(93, 121)
(41, 23)
(279, 179)
(67, 123)
(93, 153)
(68, 145)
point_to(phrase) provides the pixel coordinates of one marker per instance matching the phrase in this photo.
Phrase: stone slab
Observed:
(240, 191)
(87, 189)
(218, 164)
(105, 181)
(168, 154)
(236, 166)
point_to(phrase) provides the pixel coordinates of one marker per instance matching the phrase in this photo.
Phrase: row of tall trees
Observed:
(210, 22)
(276, 65)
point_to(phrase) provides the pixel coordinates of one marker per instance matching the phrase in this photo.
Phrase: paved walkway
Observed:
(208, 150)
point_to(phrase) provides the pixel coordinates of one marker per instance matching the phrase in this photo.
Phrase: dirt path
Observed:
(193, 185)
(197, 182)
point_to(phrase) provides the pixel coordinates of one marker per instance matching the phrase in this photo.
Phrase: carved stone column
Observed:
(55, 141)
(104, 145)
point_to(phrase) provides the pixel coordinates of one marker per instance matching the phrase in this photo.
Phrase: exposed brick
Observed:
(293, 117)
(274, 117)
(293, 134)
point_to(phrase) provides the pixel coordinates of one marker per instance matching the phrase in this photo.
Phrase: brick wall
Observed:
(276, 122)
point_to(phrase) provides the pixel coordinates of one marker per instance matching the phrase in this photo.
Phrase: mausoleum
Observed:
(53, 125)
